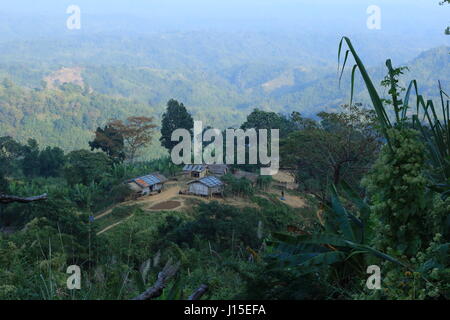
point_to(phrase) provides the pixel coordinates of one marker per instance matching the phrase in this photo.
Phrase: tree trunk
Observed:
(5, 199)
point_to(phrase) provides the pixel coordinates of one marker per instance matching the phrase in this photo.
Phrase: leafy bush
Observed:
(238, 187)
(400, 203)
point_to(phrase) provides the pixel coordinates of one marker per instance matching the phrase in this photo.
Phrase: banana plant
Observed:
(344, 238)
(83, 195)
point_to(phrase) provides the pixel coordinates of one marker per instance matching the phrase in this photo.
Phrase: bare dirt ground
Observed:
(168, 205)
(167, 194)
(294, 201)
(171, 199)
(65, 75)
(291, 200)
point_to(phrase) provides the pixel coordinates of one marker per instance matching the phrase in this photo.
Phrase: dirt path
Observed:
(113, 225)
(165, 195)
(290, 200)
(294, 201)
(109, 227)
(171, 194)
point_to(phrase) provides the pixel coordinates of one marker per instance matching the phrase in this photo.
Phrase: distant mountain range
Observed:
(64, 89)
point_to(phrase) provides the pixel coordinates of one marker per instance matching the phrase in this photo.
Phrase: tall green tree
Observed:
(175, 117)
(30, 161)
(51, 162)
(137, 132)
(260, 119)
(110, 141)
(10, 151)
(84, 167)
(341, 146)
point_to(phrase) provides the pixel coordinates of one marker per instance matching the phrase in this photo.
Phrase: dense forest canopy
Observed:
(65, 115)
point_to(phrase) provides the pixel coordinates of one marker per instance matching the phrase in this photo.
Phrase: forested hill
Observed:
(37, 105)
(430, 66)
(206, 69)
(65, 117)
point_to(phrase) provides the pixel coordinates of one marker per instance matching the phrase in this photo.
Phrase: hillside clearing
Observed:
(170, 199)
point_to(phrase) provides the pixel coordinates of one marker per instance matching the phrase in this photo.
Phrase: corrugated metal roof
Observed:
(150, 180)
(194, 167)
(141, 182)
(160, 177)
(210, 181)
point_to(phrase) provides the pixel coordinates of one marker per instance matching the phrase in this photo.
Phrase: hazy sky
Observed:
(415, 24)
(397, 15)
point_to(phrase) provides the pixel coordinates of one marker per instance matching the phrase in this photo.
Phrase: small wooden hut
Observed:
(217, 169)
(195, 170)
(148, 184)
(206, 186)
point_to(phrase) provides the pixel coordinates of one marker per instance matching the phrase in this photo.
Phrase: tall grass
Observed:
(433, 123)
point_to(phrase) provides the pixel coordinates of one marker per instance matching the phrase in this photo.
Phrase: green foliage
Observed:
(264, 182)
(30, 159)
(403, 218)
(341, 146)
(51, 162)
(117, 214)
(240, 187)
(264, 281)
(175, 117)
(408, 218)
(10, 150)
(30, 162)
(437, 138)
(335, 255)
(428, 280)
(240, 252)
(226, 226)
(85, 167)
(397, 185)
(63, 118)
(259, 119)
(391, 81)
(110, 141)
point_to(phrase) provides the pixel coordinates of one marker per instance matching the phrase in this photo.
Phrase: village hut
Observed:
(195, 170)
(206, 186)
(148, 184)
(217, 169)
